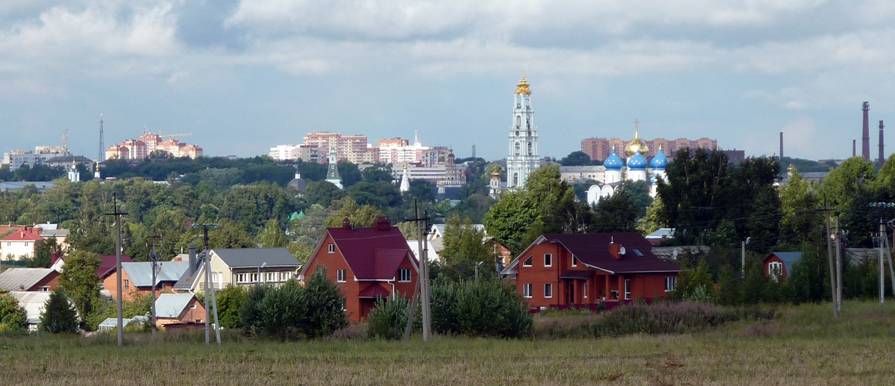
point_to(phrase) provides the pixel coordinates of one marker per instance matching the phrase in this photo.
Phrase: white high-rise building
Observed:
(522, 158)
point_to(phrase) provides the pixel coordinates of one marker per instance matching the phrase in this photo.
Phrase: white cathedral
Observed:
(634, 167)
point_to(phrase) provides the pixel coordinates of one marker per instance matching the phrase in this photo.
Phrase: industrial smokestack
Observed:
(853, 148)
(882, 147)
(781, 145)
(865, 133)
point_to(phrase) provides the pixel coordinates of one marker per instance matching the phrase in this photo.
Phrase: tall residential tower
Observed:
(523, 139)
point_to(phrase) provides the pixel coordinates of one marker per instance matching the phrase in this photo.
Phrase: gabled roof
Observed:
(592, 249)
(255, 257)
(372, 253)
(172, 305)
(107, 265)
(140, 273)
(788, 258)
(23, 234)
(22, 279)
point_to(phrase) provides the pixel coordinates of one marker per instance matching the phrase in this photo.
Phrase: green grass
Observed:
(802, 346)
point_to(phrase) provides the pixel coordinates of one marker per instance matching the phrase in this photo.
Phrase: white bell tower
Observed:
(522, 158)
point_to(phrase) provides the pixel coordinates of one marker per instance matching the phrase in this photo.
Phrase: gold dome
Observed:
(636, 145)
(522, 87)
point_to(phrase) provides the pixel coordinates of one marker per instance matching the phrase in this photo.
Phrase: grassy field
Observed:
(802, 346)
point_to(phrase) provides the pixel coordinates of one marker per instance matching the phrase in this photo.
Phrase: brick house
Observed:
(178, 309)
(136, 278)
(582, 270)
(366, 263)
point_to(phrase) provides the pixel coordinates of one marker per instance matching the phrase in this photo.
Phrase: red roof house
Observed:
(366, 263)
(106, 264)
(19, 242)
(583, 270)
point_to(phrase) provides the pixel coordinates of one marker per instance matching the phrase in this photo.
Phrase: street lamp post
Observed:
(258, 278)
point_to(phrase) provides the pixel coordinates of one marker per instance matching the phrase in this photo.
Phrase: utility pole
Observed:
(209, 288)
(423, 282)
(117, 213)
(153, 257)
(743, 257)
(832, 264)
(882, 264)
(838, 266)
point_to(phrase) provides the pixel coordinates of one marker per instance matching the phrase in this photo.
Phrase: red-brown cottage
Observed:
(580, 270)
(366, 263)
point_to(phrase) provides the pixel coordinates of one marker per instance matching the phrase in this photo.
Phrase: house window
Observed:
(526, 290)
(254, 277)
(45, 289)
(269, 276)
(574, 261)
(627, 289)
(548, 260)
(340, 275)
(670, 282)
(284, 276)
(775, 270)
(548, 291)
(127, 284)
(331, 248)
(528, 261)
(404, 275)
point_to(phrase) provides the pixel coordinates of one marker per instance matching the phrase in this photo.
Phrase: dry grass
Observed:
(803, 346)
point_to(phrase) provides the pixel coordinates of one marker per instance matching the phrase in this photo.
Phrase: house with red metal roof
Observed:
(584, 270)
(19, 243)
(366, 264)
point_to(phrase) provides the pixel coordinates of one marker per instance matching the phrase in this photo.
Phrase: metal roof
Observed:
(255, 257)
(789, 258)
(140, 273)
(172, 305)
(21, 279)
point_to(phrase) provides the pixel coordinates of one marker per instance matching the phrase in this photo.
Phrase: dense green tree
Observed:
(510, 217)
(358, 215)
(45, 250)
(324, 307)
(349, 173)
(798, 206)
(653, 219)
(464, 249)
(576, 158)
(841, 184)
(250, 312)
(229, 235)
(379, 194)
(763, 224)
(616, 213)
(59, 315)
(230, 302)
(323, 193)
(282, 310)
(378, 173)
(12, 316)
(79, 281)
(809, 277)
(272, 236)
(421, 190)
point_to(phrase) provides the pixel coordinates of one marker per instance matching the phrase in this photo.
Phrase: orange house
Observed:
(366, 263)
(178, 309)
(583, 270)
(136, 278)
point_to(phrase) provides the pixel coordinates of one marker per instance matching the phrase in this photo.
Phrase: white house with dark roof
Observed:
(243, 266)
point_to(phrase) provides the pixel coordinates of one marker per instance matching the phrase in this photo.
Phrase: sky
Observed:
(242, 76)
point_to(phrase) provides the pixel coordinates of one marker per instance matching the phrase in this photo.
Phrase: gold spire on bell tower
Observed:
(636, 145)
(522, 87)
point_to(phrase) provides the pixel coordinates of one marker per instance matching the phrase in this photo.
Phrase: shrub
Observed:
(444, 306)
(250, 310)
(230, 302)
(324, 305)
(59, 316)
(388, 319)
(282, 311)
(13, 318)
(483, 308)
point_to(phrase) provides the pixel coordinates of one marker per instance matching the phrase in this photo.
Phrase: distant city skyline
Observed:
(245, 76)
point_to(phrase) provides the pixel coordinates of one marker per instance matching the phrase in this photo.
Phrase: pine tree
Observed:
(272, 236)
(59, 316)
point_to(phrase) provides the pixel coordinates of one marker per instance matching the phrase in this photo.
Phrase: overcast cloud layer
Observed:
(242, 76)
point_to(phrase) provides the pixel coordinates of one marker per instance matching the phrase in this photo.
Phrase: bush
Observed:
(13, 318)
(250, 310)
(480, 308)
(388, 319)
(324, 305)
(59, 316)
(282, 310)
(230, 302)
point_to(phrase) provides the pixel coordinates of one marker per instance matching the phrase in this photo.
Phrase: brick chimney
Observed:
(865, 133)
(882, 147)
(382, 224)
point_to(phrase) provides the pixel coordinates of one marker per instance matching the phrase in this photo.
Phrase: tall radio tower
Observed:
(99, 155)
